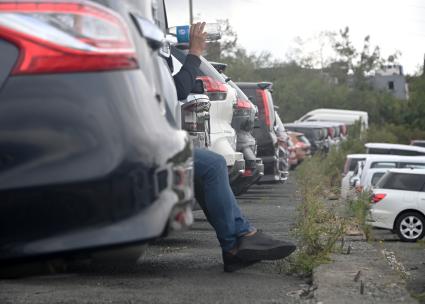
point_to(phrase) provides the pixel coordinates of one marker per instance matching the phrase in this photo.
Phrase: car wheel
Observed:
(410, 226)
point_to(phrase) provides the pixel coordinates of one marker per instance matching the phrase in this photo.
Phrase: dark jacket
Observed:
(186, 77)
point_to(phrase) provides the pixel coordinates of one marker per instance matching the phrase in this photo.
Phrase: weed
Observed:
(358, 208)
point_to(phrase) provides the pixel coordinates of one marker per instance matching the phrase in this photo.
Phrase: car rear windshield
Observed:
(394, 152)
(402, 181)
(376, 177)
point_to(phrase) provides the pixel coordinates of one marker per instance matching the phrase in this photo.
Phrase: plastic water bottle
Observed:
(182, 32)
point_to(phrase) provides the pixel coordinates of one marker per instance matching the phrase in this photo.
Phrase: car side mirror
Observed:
(198, 88)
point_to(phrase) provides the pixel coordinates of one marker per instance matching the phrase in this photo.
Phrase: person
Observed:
(241, 243)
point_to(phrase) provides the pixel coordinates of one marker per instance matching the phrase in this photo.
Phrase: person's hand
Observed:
(197, 39)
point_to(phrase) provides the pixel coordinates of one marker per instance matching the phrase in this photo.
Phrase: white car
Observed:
(398, 203)
(371, 178)
(394, 149)
(391, 162)
(349, 168)
(222, 97)
(336, 115)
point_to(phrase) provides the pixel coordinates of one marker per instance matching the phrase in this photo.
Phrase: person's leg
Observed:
(241, 244)
(216, 198)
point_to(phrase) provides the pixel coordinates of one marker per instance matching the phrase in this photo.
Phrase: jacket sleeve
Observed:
(186, 77)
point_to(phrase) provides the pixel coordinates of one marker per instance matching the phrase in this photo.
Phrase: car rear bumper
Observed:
(90, 163)
(236, 170)
(252, 174)
(271, 170)
(380, 218)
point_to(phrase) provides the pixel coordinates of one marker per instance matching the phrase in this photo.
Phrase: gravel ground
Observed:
(185, 267)
(406, 258)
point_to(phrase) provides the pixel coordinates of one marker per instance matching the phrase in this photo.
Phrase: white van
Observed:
(335, 115)
(394, 149)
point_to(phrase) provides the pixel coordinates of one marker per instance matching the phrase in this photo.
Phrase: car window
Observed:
(250, 93)
(378, 151)
(383, 165)
(403, 181)
(412, 165)
(405, 152)
(376, 177)
(353, 163)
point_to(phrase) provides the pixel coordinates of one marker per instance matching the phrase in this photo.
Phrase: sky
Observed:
(273, 25)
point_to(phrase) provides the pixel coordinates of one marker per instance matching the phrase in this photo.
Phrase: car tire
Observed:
(410, 226)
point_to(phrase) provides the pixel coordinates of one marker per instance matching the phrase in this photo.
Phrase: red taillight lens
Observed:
(247, 173)
(243, 104)
(331, 132)
(214, 89)
(378, 197)
(66, 36)
(262, 95)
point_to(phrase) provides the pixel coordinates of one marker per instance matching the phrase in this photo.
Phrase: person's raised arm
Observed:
(185, 78)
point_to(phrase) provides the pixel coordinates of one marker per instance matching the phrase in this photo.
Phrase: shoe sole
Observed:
(238, 266)
(277, 253)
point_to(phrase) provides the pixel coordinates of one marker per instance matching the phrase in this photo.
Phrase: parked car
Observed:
(283, 141)
(89, 160)
(334, 131)
(370, 179)
(243, 121)
(336, 115)
(260, 93)
(350, 165)
(398, 203)
(222, 97)
(302, 150)
(357, 175)
(394, 149)
(391, 161)
(418, 143)
(292, 154)
(317, 135)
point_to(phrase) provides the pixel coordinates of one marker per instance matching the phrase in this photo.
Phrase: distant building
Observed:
(391, 78)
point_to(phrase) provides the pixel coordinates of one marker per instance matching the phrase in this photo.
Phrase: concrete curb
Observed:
(362, 276)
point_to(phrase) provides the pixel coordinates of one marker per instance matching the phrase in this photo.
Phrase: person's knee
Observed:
(219, 161)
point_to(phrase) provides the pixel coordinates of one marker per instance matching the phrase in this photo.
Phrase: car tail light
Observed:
(343, 129)
(214, 89)
(66, 36)
(263, 96)
(243, 104)
(331, 132)
(378, 197)
(247, 173)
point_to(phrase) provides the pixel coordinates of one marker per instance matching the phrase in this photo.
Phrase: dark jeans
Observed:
(216, 198)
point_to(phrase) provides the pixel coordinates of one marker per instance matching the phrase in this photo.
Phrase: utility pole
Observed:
(190, 12)
(423, 68)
